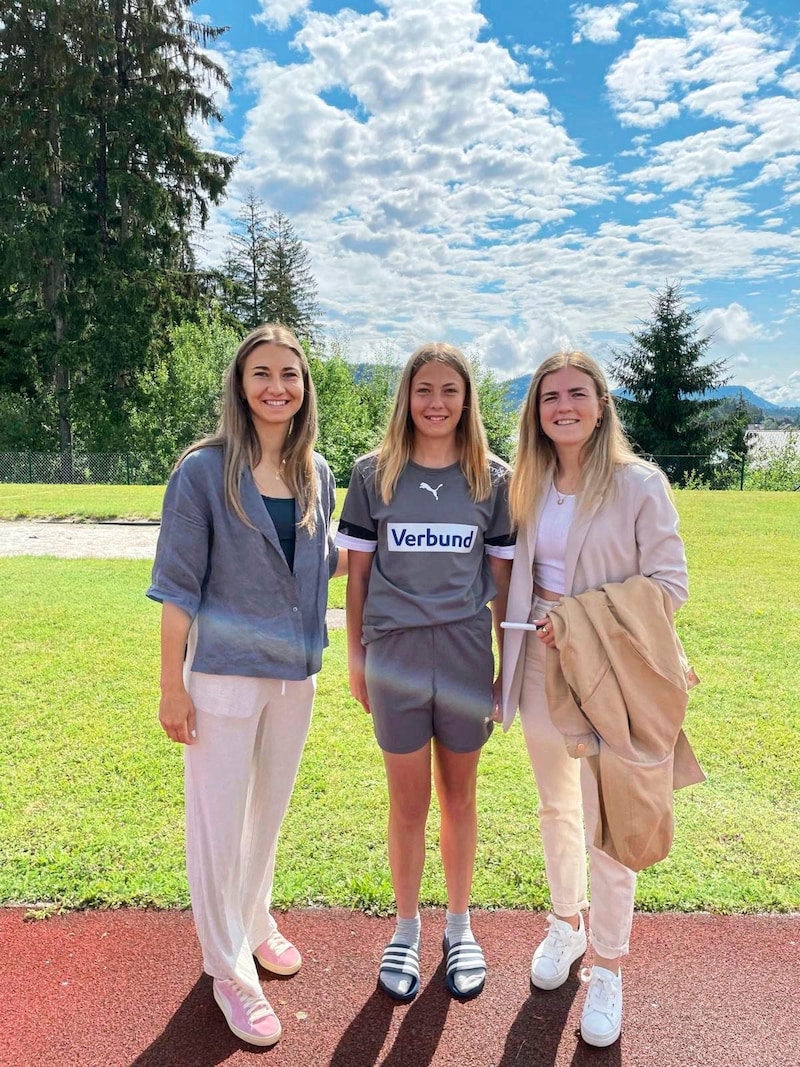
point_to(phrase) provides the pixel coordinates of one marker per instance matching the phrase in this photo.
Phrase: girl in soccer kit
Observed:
(429, 542)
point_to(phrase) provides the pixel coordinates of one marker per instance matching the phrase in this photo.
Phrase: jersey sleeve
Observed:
(499, 539)
(358, 530)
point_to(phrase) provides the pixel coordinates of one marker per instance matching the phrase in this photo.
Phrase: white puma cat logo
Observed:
(431, 490)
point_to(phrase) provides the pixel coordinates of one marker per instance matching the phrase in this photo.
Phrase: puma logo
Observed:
(434, 492)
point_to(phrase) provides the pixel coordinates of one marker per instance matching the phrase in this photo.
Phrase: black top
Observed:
(281, 511)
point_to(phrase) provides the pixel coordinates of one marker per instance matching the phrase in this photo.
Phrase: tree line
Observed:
(113, 338)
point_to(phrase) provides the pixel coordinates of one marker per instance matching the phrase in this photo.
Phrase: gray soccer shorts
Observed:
(432, 681)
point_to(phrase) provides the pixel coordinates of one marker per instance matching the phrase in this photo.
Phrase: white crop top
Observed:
(550, 554)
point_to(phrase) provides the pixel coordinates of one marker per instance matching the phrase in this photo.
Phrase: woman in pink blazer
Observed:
(588, 512)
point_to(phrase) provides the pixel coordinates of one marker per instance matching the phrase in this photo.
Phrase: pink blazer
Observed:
(634, 532)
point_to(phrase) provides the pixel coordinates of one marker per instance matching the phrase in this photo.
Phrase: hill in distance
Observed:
(516, 388)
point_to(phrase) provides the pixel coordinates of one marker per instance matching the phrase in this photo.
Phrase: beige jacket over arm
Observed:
(617, 688)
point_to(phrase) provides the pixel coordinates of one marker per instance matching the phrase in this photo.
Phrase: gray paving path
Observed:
(73, 540)
(100, 540)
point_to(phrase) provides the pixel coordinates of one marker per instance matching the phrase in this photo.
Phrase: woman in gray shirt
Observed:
(426, 524)
(241, 570)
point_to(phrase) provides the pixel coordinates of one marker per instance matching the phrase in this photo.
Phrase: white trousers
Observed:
(239, 775)
(568, 799)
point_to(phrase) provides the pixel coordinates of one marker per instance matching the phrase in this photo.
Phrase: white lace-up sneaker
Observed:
(556, 954)
(601, 1020)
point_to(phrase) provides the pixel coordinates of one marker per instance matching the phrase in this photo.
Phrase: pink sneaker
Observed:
(251, 1018)
(278, 955)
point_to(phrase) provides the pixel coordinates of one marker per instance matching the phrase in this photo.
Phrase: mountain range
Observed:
(516, 388)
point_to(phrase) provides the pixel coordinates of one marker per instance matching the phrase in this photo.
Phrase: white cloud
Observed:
(713, 70)
(785, 394)
(509, 353)
(441, 195)
(599, 24)
(277, 14)
(731, 324)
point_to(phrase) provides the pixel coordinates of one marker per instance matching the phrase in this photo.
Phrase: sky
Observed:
(520, 177)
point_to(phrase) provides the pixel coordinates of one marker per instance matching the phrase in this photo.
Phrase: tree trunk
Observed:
(55, 272)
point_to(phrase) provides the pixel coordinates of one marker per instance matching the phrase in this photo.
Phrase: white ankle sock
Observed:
(407, 932)
(458, 928)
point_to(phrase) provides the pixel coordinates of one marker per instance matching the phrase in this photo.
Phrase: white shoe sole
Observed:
(560, 978)
(601, 1040)
(275, 968)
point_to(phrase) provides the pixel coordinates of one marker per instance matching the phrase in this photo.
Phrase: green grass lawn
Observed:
(91, 791)
(86, 503)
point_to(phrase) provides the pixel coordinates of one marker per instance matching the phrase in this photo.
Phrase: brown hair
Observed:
(238, 439)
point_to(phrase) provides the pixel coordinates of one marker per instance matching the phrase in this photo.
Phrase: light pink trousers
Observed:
(239, 777)
(568, 799)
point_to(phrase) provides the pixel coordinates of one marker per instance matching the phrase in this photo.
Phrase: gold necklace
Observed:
(560, 497)
(274, 472)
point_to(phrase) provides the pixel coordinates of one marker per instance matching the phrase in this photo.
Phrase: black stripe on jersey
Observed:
(360, 532)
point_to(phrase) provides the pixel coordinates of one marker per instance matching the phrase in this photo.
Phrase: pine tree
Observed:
(290, 291)
(101, 185)
(664, 375)
(246, 265)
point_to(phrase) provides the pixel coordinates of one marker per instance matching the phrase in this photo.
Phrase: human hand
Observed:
(358, 685)
(544, 631)
(177, 717)
(497, 700)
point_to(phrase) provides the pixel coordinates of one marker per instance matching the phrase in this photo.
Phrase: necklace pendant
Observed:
(560, 499)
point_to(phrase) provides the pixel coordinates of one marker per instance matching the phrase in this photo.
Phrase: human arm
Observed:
(659, 546)
(360, 565)
(341, 564)
(501, 575)
(176, 710)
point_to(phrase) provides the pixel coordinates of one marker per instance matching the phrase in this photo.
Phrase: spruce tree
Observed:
(101, 187)
(290, 291)
(664, 375)
(246, 265)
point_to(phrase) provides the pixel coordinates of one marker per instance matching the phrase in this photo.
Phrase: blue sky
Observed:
(515, 177)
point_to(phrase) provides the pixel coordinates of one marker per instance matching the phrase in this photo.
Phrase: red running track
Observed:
(126, 989)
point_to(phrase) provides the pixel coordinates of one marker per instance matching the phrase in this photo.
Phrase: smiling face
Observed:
(569, 408)
(272, 383)
(436, 400)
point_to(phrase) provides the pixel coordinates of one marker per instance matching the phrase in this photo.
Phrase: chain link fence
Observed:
(127, 468)
(80, 468)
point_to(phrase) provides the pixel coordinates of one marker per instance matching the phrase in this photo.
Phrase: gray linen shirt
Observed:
(255, 617)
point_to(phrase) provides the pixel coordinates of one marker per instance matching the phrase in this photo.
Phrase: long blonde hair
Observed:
(238, 439)
(397, 446)
(536, 458)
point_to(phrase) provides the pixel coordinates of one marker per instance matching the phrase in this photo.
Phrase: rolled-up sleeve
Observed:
(181, 560)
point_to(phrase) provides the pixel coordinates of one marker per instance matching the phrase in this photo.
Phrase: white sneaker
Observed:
(556, 954)
(601, 1020)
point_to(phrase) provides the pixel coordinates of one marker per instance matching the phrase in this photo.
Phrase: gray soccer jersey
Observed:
(430, 541)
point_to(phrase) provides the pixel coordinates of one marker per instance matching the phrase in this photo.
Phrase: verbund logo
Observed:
(431, 537)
